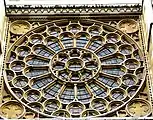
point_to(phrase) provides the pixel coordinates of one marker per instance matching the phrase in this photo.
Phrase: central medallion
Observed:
(75, 65)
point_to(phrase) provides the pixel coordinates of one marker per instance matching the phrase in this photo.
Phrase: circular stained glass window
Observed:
(74, 69)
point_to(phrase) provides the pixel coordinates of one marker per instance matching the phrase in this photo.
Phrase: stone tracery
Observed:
(50, 65)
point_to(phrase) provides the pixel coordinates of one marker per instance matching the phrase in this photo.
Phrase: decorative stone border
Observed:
(73, 9)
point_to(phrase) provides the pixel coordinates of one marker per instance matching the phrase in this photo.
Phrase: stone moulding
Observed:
(73, 9)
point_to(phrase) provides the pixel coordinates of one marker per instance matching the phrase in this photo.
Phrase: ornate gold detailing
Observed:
(128, 25)
(139, 107)
(12, 109)
(20, 27)
(74, 69)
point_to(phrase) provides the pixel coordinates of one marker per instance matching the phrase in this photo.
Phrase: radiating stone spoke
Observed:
(115, 70)
(52, 90)
(67, 39)
(109, 80)
(98, 90)
(67, 95)
(107, 49)
(43, 51)
(116, 58)
(53, 43)
(96, 42)
(34, 60)
(35, 71)
(83, 94)
(82, 39)
(41, 82)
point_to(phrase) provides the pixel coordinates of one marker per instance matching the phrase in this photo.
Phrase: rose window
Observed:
(74, 69)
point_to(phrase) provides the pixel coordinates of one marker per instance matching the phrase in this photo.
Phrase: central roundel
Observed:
(75, 65)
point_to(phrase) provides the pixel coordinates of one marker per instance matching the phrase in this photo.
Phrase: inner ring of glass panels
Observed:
(75, 65)
(44, 69)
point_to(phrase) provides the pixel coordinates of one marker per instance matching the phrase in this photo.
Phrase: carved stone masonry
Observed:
(73, 9)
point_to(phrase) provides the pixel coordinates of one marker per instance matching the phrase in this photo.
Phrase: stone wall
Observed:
(2, 18)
